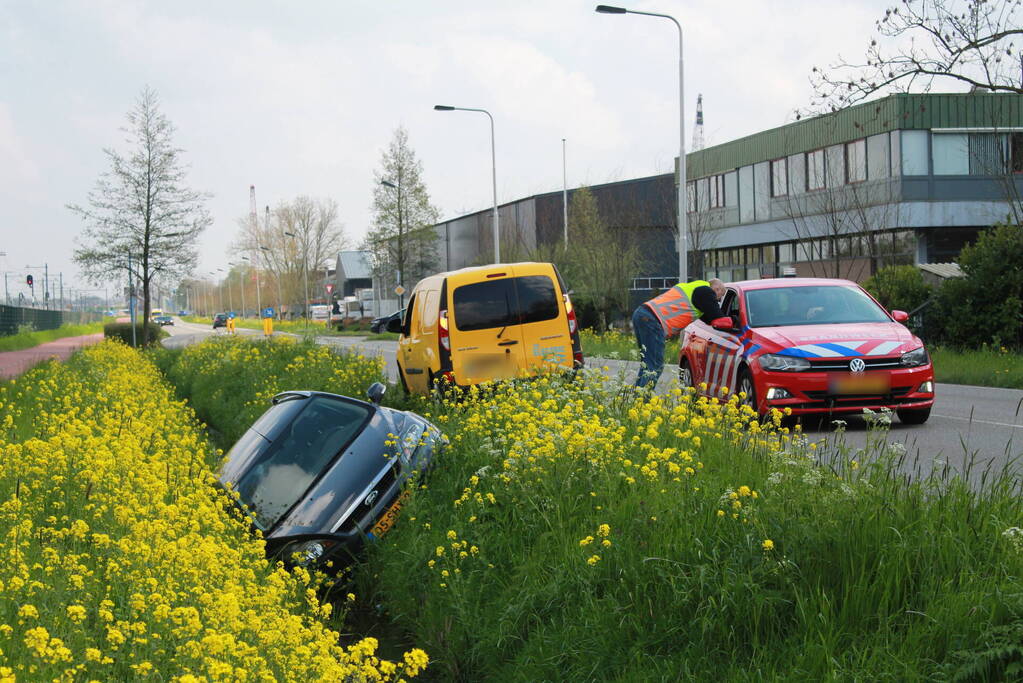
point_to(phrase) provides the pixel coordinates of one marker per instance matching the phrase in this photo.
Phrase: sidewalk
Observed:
(13, 363)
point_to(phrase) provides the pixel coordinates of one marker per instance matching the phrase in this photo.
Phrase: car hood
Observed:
(835, 341)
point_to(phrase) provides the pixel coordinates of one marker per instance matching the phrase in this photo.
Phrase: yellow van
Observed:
(486, 323)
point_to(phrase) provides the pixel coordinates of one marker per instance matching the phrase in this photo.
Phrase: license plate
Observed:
(490, 366)
(389, 517)
(860, 384)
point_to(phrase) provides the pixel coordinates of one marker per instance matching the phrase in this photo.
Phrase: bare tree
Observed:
(402, 240)
(141, 210)
(316, 236)
(922, 43)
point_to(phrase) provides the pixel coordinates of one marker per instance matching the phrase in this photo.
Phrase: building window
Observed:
(786, 252)
(779, 178)
(856, 161)
(690, 196)
(914, 152)
(717, 191)
(1016, 152)
(987, 154)
(951, 153)
(815, 170)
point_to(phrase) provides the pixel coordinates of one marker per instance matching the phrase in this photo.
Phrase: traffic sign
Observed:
(330, 288)
(399, 290)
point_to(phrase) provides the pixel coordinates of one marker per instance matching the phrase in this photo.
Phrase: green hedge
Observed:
(122, 331)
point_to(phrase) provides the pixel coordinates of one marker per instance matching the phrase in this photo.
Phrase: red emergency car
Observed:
(811, 345)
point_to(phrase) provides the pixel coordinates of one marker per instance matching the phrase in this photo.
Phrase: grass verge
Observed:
(577, 530)
(986, 367)
(26, 340)
(122, 561)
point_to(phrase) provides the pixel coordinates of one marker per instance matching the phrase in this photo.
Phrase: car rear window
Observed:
(508, 301)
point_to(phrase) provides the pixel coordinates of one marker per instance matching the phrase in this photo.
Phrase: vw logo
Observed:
(371, 498)
(857, 365)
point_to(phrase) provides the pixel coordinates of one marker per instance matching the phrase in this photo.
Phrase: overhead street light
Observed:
(493, 168)
(683, 232)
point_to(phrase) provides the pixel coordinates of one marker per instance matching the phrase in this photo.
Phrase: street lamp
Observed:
(683, 233)
(493, 167)
(230, 296)
(305, 275)
(259, 301)
(279, 318)
(401, 244)
(220, 291)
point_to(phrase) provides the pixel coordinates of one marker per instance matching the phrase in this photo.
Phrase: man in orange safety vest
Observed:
(665, 316)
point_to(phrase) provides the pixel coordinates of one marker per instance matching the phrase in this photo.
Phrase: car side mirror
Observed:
(376, 392)
(723, 324)
(394, 325)
(900, 316)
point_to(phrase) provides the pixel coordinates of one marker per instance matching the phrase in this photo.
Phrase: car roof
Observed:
(776, 282)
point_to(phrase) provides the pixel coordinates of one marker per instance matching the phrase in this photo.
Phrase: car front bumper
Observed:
(813, 392)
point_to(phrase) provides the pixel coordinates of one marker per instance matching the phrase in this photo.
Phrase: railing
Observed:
(644, 284)
(12, 318)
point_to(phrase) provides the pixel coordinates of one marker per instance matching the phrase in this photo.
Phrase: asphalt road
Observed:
(967, 422)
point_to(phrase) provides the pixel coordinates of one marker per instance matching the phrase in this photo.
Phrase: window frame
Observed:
(783, 164)
(849, 159)
(823, 169)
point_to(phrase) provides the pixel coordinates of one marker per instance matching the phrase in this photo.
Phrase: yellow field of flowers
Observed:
(120, 560)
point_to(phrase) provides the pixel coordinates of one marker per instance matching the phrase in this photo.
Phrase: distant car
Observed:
(812, 345)
(319, 474)
(220, 320)
(380, 324)
(162, 320)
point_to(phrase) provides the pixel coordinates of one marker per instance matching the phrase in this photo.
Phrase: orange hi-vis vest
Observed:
(675, 307)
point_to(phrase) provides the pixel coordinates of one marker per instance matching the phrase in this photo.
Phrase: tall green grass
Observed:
(765, 559)
(26, 340)
(986, 367)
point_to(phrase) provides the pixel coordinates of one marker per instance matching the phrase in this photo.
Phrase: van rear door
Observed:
(544, 322)
(486, 339)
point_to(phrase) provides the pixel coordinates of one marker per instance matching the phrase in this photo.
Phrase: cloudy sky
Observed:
(302, 97)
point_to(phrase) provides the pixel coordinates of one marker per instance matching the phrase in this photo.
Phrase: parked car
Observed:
(162, 320)
(486, 323)
(319, 474)
(380, 324)
(812, 345)
(220, 320)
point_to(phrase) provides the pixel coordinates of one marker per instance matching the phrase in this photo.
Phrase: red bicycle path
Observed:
(13, 363)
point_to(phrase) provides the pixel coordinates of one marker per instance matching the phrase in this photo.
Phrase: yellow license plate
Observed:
(860, 384)
(389, 517)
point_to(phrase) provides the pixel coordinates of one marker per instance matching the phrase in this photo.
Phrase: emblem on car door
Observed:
(371, 498)
(857, 365)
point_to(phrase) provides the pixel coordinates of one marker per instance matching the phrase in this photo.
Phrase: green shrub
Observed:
(986, 305)
(122, 331)
(899, 288)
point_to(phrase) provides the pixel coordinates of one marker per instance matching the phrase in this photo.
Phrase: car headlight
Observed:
(777, 362)
(914, 358)
(305, 553)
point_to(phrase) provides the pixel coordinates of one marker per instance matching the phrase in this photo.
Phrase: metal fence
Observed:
(13, 318)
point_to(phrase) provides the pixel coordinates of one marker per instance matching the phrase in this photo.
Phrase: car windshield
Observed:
(811, 305)
(284, 469)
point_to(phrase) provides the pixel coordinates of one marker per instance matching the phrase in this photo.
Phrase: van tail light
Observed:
(444, 335)
(578, 355)
(573, 326)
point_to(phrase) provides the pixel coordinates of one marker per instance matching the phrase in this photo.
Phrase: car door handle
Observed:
(508, 343)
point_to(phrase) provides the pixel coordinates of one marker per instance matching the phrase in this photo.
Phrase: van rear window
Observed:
(509, 301)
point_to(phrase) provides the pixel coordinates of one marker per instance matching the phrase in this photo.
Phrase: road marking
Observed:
(985, 422)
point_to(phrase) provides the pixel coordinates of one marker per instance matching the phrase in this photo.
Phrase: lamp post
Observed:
(401, 243)
(259, 301)
(305, 275)
(230, 297)
(493, 168)
(220, 291)
(265, 249)
(683, 233)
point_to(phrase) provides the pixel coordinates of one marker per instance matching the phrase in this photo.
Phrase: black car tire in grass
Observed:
(685, 373)
(744, 383)
(914, 416)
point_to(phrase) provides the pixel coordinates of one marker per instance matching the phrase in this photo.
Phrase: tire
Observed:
(744, 383)
(685, 373)
(915, 416)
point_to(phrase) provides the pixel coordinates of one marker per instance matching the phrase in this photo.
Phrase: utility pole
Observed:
(564, 189)
(255, 233)
(61, 275)
(46, 285)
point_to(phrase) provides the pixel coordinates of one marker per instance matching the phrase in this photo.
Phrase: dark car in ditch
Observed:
(320, 474)
(380, 324)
